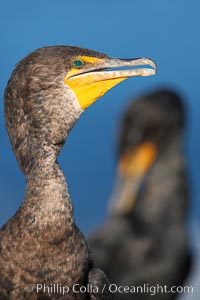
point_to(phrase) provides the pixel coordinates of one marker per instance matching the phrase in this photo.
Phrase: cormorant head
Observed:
(154, 118)
(148, 127)
(48, 91)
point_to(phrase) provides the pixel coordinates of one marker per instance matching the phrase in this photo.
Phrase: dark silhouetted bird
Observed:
(41, 249)
(144, 242)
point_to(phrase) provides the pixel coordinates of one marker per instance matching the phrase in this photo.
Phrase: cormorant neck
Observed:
(165, 189)
(48, 197)
(174, 145)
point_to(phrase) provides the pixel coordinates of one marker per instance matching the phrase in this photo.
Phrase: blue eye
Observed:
(78, 63)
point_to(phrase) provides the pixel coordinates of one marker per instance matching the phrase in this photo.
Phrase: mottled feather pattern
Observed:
(41, 243)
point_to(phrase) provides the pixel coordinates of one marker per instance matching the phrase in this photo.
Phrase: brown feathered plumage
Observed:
(41, 244)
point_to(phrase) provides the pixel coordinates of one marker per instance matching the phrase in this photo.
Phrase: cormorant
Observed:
(42, 252)
(144, 242)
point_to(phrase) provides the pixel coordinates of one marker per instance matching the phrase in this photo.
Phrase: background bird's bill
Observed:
(132, 167)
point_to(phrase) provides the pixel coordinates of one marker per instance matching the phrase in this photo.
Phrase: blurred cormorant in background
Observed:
(144, 242)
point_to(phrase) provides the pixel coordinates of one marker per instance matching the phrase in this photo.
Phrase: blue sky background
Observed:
(167, 31)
